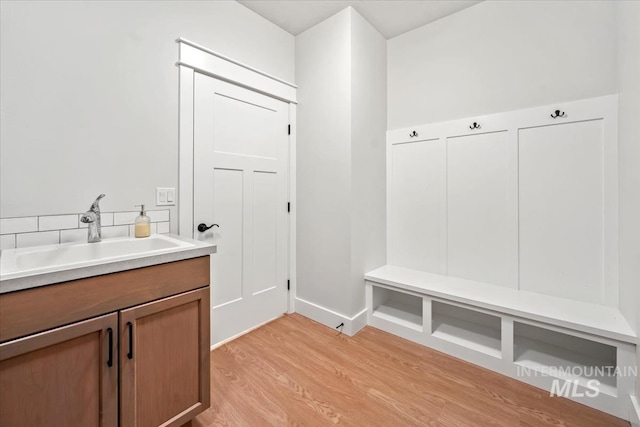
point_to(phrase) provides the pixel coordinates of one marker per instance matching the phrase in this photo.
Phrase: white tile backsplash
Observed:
(38, 239)
(18, 225)
(158, 215)
(77, 235)
(57, 222)
(7, 241)
(132, 229)
(113, 232)
(163, 227)
(122, 218)
(52, 229)
(106, 219)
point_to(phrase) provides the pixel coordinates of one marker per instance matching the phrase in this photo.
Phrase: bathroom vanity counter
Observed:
(32, 267)
(125, 323)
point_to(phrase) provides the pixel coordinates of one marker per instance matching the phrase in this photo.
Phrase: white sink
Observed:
(44, 259)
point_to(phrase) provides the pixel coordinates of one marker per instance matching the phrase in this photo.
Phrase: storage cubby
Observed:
(524, 335)
(469, 328)
(398, 307)
(565, 357)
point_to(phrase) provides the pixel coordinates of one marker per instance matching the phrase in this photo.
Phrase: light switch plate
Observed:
(165, 196)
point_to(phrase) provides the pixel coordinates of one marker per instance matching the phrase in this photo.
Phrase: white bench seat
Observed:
(584, 317)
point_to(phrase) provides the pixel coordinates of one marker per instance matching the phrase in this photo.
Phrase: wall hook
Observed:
(474, 126)
(413, 134)
(557, 114)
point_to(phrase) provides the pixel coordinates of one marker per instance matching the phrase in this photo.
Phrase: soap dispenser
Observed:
(143, 224)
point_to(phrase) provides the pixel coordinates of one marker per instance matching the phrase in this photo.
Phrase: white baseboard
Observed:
(358, 322)
(635, 411)
(330, 318)
(223, 342)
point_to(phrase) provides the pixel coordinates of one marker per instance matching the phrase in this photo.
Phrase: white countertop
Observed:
(32, 267)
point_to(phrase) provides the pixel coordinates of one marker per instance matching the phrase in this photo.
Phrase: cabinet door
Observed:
(164, 357)
(63, 377)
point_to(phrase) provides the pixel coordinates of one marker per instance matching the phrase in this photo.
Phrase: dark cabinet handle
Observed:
(130, 326)
(110, 360)
(202, 227)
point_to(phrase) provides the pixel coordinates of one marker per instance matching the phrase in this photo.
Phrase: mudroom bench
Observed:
(535, 338)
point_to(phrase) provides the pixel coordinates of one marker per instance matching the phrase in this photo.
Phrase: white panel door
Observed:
(417, 211)
(477, 208)
(561, 210)
(241, 183)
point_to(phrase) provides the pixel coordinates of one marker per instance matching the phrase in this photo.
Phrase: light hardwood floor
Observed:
(294, 371)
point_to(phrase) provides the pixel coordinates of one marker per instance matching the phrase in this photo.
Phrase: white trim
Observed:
(185, 153)
(220, 67)
(223, 342)
(358, 322)
(634, 413)
(293, 214)
(232, 81)
(233, 61)
(330, 318)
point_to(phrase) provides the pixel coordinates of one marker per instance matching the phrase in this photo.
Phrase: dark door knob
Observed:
(202, 227)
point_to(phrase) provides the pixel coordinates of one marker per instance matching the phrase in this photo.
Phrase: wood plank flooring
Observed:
(296, 372)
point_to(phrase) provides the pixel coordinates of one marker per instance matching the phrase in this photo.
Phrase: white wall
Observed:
(90, 95)
(323, 163)
(368, 167)
(629, 152)
(500, 56)
(340, 72)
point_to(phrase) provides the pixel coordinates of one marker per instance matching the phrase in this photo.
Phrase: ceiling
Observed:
(389, 17)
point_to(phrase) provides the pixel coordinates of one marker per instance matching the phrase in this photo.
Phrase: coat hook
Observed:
(413, 134)
(557, 114)
(474, 126)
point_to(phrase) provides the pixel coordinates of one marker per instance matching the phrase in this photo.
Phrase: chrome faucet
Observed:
(92, 217)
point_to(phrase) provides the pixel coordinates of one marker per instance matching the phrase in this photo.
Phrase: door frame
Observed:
(194, 58)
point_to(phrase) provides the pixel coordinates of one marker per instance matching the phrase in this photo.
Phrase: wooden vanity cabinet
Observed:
(164, 360)
(144, 363)
(64, 377)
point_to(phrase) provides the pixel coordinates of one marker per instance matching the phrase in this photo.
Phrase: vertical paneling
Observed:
(265, 192)
(417, 226)
(227, 264)
(477, 208)
(530, 200)
(561, 210)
